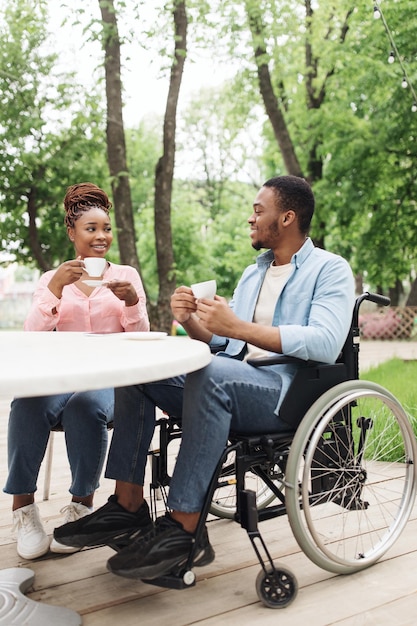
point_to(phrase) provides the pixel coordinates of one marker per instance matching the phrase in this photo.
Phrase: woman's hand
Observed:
(124, 290)
(66, 274)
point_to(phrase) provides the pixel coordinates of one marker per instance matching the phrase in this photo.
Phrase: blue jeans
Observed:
(226, 395)
(83, 416)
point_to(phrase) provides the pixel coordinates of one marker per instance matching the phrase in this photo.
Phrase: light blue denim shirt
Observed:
(313, 312)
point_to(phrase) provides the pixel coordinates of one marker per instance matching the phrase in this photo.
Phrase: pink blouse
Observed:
(100, 312)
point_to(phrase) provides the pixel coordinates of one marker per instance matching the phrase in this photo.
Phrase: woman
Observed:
(63, 301)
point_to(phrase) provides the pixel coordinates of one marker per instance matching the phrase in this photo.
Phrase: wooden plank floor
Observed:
(384, 594)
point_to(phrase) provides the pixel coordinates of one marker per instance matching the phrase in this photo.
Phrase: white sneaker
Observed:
(32, 540)
(71, 512)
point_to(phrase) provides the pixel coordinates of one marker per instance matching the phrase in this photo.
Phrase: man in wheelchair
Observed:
(297, 300)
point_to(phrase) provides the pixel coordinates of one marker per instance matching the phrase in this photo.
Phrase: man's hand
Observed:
(217, 317)
(183, 304)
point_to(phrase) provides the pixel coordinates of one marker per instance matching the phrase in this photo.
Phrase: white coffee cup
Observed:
(94, 265)
(206, 289)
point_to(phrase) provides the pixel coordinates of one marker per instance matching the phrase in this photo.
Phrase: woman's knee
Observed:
(97, 406)
(39, 410)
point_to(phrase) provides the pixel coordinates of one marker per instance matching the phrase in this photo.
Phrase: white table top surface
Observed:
(42, 363)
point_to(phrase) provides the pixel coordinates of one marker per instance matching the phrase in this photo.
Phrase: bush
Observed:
(380, 325)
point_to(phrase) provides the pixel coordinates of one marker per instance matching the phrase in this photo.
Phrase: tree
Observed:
(50, 136)
(333, 118)
(116, 146)
(313, 87)
(273, 103)
(164, 174)
(370, 165)
(219, 140)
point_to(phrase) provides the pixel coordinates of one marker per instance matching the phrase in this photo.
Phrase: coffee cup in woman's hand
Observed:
(94, 266)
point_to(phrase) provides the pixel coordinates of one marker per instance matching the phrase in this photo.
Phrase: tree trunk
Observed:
(116, 146)
(164, 174)
(315, 95)
(395, 293)
(412, 296)
(316, 90)
(33, 232)
(266, 89)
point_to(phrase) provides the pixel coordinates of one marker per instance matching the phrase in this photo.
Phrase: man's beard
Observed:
(273, 230)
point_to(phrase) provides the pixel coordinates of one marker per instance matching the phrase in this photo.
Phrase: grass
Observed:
(399, 377)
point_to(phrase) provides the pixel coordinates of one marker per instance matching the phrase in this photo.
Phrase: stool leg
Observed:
(48, 466)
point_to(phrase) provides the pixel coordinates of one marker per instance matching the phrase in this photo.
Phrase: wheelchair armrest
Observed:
(277, 359)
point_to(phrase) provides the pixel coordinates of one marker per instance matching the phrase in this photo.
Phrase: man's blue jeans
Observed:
(226, 395)
(83, 416)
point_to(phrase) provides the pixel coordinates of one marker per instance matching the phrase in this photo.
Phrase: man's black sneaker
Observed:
(162, 550)
(109, 525)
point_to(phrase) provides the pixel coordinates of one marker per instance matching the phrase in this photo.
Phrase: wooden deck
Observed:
(384, 594)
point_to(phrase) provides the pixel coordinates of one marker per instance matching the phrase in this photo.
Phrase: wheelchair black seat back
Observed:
(346, 478)
(312, 379)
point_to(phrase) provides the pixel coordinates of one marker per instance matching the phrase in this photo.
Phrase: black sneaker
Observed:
(110, 525)
(162, 550)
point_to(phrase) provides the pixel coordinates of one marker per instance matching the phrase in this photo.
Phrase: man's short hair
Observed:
(294, 194)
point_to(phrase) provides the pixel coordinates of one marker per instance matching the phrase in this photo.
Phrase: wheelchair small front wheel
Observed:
(188, 578)
(276, 588)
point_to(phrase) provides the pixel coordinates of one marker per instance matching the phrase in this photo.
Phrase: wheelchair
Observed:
(344, 473)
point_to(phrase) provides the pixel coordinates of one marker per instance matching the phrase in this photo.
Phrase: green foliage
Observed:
(352, 125)
(218, 246)
(218, 134)
(369, 174)
(51, 135)
(347, 114)
(204, 246)
(395, 375)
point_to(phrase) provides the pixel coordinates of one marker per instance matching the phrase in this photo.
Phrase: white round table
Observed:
(42, 363)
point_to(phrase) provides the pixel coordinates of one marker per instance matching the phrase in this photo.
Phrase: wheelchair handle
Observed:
(377, 298)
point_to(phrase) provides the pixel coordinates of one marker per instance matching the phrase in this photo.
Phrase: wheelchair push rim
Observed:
(351, 476)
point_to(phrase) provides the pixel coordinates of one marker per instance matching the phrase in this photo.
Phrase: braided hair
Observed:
(81, 198)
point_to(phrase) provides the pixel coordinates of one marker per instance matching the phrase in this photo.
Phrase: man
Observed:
(296, 300)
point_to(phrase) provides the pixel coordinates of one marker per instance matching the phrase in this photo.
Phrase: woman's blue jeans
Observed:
(83, 416)
(226, 395)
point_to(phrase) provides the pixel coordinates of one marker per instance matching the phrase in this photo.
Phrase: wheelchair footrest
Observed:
(173, 581)
(270, 512)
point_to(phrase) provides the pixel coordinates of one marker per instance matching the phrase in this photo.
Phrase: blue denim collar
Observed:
(265, 259)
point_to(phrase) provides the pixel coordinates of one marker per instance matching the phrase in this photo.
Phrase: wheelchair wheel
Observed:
(276, 589)
(351, 476)
(223, 503)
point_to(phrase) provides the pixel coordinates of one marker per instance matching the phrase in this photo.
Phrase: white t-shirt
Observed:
(274, 281)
